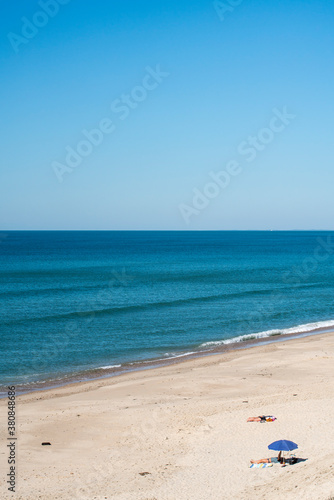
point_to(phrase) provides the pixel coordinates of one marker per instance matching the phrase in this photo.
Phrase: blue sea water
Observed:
(75, 301)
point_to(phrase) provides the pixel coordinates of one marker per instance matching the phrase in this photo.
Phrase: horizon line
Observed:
(164, 230)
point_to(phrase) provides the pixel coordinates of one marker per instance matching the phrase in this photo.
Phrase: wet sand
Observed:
(180, 431)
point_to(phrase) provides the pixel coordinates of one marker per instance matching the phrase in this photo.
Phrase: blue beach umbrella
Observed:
(283, 445)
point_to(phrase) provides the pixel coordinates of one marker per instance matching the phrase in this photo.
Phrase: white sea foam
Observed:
(108, 367)
(309, 327)
(172, 356)
(168, 355)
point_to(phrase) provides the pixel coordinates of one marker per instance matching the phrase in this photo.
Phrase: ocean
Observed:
(77, 305)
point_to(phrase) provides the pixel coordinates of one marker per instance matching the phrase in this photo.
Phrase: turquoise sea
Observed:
(80, 304)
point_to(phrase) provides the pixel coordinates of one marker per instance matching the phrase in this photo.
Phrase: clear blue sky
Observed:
(225, 78)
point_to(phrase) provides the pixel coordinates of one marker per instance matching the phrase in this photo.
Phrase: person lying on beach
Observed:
(273, 460)
(262, 418)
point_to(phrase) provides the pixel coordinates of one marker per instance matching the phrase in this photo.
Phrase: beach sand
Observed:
(185, 425)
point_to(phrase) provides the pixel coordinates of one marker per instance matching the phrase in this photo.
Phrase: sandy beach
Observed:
(185, 427)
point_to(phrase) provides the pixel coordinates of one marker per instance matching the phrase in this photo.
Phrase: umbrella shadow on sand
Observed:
(293, 461)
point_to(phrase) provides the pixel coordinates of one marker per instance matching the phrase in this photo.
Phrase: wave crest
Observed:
(309, 327)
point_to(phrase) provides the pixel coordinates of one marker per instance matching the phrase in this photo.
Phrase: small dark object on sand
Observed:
(46, 444)
(144, 473)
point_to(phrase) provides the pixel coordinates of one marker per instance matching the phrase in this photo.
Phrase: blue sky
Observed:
(223, 77)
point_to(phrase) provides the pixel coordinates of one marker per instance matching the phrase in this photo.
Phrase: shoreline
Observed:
(181, 431)
(215, 355)
(99, 374)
